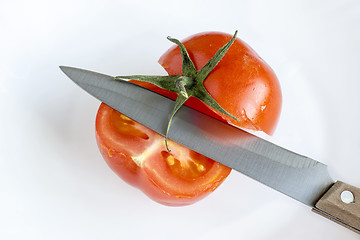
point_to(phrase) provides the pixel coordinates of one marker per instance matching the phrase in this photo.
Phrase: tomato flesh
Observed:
(139, 156)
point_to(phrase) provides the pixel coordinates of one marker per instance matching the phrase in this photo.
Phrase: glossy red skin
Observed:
(242, 83)
(172, 179)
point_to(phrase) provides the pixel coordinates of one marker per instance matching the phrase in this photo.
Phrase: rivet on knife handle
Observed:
(341, 204)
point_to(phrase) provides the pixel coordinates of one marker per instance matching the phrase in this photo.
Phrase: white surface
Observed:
(53, 181)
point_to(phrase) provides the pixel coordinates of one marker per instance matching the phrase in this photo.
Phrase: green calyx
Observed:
(190, 84)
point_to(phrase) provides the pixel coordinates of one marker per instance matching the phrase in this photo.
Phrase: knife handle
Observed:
(341, 204)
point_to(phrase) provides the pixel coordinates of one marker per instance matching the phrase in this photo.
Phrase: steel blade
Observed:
(297, 176)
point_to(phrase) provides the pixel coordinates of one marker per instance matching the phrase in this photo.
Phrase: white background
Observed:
(55, 185)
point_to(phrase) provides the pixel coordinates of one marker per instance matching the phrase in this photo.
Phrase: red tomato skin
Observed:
(166, 184)
(242, 83)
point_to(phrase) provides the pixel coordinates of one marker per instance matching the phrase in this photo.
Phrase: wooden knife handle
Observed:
(341, 204)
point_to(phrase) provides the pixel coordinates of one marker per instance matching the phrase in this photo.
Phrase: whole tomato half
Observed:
(139, 156)
(241, 83)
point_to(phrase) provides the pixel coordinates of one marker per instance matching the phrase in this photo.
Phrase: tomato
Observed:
(139, 156)
(241, 83)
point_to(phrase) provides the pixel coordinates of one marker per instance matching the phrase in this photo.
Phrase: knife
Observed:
(294, 175)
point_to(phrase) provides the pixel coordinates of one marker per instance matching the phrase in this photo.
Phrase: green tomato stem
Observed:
(180, 100)
(188, 67)
(211, 64)
(190, 83)
(181, 84)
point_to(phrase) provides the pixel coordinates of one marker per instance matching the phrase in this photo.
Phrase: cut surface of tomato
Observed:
(139, 156)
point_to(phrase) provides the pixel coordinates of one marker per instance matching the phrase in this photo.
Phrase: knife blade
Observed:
(292, 174)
